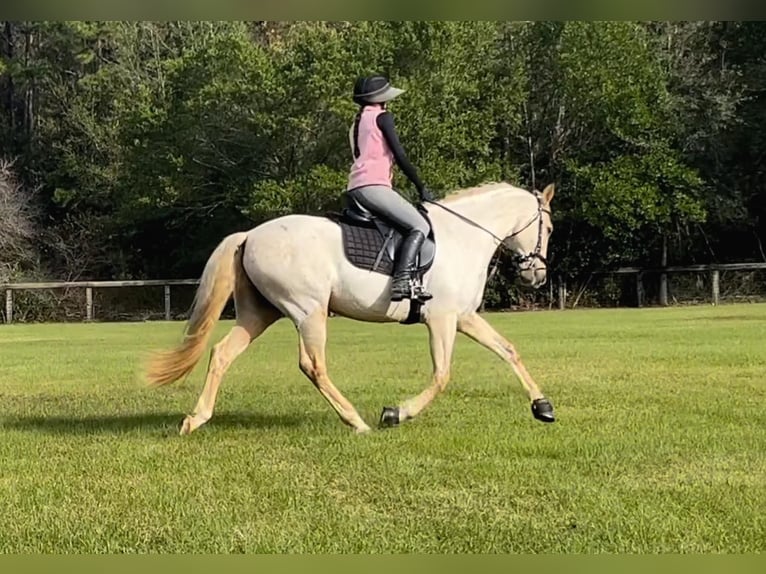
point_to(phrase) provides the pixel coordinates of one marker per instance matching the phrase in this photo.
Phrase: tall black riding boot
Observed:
(405, 267)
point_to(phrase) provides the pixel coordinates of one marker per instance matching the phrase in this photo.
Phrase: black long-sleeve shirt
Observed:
(385, 122)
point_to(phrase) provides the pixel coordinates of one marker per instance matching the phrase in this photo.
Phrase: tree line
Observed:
(130, 148)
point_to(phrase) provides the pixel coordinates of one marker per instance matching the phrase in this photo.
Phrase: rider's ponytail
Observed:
(357, 119)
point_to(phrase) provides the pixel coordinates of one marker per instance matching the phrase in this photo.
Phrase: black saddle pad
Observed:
(371, 244)
(364, 248)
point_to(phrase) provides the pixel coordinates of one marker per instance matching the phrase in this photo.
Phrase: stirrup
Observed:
(421, 294)
(413, 290)
(417, 291)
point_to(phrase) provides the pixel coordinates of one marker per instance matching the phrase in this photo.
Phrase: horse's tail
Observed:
(215, 287)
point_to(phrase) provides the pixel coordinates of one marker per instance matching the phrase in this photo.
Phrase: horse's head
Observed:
(529, 243)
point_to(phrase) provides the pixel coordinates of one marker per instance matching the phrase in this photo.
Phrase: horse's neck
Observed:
(500, 211)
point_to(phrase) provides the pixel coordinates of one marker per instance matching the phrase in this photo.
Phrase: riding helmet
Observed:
(374, 90)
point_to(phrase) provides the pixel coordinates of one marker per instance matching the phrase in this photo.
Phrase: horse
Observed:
(308, 267)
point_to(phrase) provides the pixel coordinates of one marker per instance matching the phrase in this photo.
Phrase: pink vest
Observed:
(375, 163)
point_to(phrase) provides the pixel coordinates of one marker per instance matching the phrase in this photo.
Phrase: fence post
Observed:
(89, 303)
(167, 302)
(664, 289)
(664, 275)
(8, 306)
(562, 294)
(640, 289)
(716, 282)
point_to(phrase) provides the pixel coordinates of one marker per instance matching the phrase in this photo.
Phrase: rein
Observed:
(518, 259)
(470, 221)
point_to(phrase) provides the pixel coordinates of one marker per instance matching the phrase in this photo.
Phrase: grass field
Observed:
(659, 446)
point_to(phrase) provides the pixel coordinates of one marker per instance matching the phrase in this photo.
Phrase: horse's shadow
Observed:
(164, 423)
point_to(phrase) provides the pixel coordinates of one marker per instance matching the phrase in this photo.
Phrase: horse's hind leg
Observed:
(313, 339)
(254, 315)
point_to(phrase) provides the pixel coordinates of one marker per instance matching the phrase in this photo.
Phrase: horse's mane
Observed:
(476, 190)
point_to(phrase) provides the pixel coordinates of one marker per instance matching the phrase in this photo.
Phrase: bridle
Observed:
(517, 258)
(536, 254)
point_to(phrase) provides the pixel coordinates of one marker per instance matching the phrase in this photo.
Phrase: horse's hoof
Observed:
(185, 426)
(542, 410)
(389, 417)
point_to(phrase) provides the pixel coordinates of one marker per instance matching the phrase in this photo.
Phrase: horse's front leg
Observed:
(442, 330)
(482, 332)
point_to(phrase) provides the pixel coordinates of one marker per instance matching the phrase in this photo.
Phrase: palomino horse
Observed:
(297, 266)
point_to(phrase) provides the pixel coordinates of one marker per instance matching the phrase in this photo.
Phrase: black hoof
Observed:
(542, 410)
(389, 417)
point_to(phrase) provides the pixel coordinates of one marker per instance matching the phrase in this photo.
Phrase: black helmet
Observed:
(374, 90)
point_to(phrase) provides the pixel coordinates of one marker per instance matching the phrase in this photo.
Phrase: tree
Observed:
(597, 120)
(19, 227)
(148, 141)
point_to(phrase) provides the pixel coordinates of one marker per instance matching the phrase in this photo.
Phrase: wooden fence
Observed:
(662, 272)
(89, 286)
(561, 295)
(712, 269)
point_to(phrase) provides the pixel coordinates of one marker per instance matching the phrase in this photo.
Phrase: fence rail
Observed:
(89, 286)
(640, 272)
(692, 268)
(714, 269)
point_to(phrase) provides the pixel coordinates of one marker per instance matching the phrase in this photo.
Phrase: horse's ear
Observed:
(548, 193)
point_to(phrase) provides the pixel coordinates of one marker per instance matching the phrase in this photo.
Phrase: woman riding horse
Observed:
(375, 146)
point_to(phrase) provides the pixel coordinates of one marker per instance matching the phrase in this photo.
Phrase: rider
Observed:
(375, 146)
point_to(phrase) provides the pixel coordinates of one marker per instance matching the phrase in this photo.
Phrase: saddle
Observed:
(371, 243)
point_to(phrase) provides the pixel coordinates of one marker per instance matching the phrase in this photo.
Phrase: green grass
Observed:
(659, 446)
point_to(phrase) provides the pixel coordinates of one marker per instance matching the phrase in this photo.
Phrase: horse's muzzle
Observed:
(534, 277)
